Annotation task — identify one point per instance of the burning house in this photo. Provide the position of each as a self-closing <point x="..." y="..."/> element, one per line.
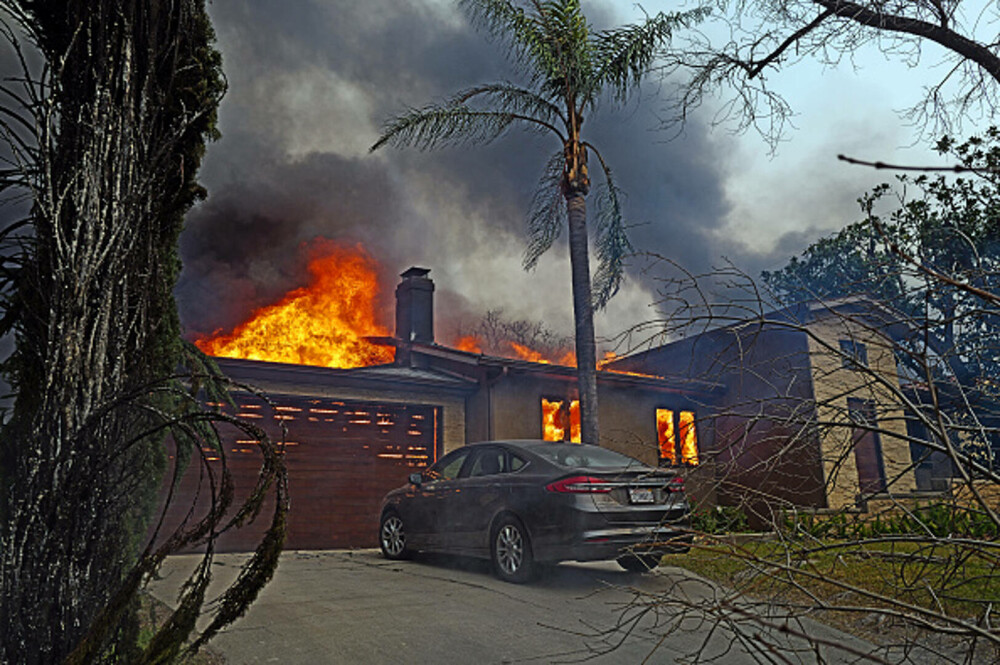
<point x="738" y="407"/>
<point x="356" y="428"/>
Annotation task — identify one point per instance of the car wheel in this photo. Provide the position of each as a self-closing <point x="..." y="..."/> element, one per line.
<point x="511" y="551"/>
<point x="392" y="537"/>
<point x="639" y="563"/>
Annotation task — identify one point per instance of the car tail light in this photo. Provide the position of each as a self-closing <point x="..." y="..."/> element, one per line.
<point x="676" y="485"/>
<point x="580" y="485"/>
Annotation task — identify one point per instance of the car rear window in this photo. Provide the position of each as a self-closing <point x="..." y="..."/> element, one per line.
<point x="583" y="456"/>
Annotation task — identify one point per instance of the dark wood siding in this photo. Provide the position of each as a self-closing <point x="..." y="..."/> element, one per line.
<point x="342" y="457"/>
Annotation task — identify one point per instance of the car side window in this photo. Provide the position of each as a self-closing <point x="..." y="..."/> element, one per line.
<point x="516" y="463"/>
<point x="489" y="462"/>
<point x="447" y="468"/>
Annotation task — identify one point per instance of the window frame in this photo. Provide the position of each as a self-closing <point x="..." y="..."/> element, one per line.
<point x="676" y="445"/>
<point x="853" y="354"/>
<point x="565" y="417"/>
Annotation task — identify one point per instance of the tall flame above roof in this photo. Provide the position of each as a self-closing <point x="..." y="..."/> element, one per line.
<point x="324" y="323"/>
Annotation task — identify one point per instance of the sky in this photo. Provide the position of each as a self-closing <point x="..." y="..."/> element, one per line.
<point x="312" y="81"/>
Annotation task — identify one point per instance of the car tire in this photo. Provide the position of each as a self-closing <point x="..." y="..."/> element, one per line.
<point x="510" y="549"/>
<point x="639" y="563"/>
<point x="392" y="537"/>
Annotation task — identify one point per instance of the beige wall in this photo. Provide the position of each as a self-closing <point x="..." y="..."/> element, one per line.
<point x="628" y="421"/>
<point x="627" y="414"/>
<point x="833" y="384"/>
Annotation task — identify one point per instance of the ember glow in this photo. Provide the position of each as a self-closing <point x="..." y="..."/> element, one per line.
<point x="324" y="323"/>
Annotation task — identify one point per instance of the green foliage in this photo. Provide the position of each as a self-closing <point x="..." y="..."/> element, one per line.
<point x="949" y="225"/>
<point x="957" y="581"/>
<point x="720" y="520"/>
<point x="939" y="520"/>
<point x="927" y="250"/>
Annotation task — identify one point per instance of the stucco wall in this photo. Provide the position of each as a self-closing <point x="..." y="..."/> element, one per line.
<point x="627" y="413"/>
<point x="834" y="384"/>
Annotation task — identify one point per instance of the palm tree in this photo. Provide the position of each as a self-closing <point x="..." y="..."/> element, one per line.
<point x="569" y="67"/>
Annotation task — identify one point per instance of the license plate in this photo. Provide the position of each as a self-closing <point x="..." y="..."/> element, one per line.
<point x="640" y="495"/>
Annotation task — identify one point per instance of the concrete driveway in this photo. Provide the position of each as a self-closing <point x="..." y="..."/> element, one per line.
<point x="356" y="607"/>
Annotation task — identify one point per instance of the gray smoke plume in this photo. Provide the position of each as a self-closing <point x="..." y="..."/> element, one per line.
<point x="311" y="82"/>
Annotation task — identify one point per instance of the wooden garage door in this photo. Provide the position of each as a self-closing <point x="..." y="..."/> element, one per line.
<point x="342" y="457"/>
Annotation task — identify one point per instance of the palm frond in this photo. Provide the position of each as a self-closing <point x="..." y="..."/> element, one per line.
<point x="624" y="55"/>
<point x="436" y="126"/>
<point x="514" y="99"/>
<point x="611" y="241"/>
<point x="547" y="214"/>
<point x="568" y="65"/>
<point x="522" y="32"/>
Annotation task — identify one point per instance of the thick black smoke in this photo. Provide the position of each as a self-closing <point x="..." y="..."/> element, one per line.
<point x="310" y="84"/>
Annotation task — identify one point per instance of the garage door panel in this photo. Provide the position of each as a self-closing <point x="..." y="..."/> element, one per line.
<point x="341" y="456"/>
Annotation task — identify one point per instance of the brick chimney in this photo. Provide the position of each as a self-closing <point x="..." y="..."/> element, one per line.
<point x="415" y="307"/>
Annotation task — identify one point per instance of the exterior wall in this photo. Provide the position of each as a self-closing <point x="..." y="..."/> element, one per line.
<point x="452" y="406"/>
<point x="516" y="404"/>
<point x="763" y="448"/>
<point x="834" y="384"/>
<point x="627" y="413"/>
<point x="478" y="410"/>
<point x="628" y="420"/>
<point x="338" y="471"/>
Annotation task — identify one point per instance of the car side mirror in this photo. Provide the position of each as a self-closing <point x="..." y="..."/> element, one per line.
<point x="416" y="479"/>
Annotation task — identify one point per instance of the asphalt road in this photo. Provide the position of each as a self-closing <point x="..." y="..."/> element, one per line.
<point x="356" y="607"/>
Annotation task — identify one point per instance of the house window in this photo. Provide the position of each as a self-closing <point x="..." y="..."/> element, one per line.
<point x="853" y="354"/>
<point x="867" y="445"/>
<point x="559" y="418"/>
<point x="678" y="442"/>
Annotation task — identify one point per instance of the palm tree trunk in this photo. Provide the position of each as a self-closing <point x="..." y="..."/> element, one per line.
<point x="583" y="316"/>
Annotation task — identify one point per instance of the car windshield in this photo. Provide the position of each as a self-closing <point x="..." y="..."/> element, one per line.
<point x="582" y="456"/>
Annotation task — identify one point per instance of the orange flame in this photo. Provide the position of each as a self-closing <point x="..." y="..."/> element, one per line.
<point x="611" y="356"/>
<point x="574" y="421"/>
<point x="552" y="427"/>
<point x="688" y="439"/>
<point x="555" y="420"/>
<point x="324" y="323"/>
<point x="669" y="438"/>
<point x="665" y="435"/>
<point x="522" y="352"/>
<point x="469" y="343"/>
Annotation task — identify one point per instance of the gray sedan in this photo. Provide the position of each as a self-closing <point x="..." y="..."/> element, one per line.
<point x="520" y="503"/>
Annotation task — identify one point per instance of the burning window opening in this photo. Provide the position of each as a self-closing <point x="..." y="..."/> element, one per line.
<point x="677" y="445"/>
<point x="558" y="417"/>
